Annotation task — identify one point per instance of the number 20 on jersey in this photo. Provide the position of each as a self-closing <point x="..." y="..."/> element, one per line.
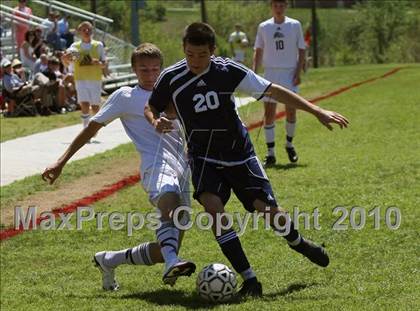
<point x="209" y="101"/>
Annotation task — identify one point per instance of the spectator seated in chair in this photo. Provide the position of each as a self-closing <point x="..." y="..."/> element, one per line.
<point x="19" y="90"/>
<point x="56" y="84"/>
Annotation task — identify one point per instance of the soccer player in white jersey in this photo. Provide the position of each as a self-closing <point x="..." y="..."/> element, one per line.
<point x="221" y="153"/>
<point x="164" y="171"/>
<point x="238" y="42"/>
<point x="281" y="48"/>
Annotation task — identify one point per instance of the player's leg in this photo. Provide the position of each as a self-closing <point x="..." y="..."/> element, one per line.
<point x="281" y="222"/>
<point x="286" y="78"/>
<point x="290" y="133"/>
<point x="94" y="88"/>
<point x="147" y="253"/>
<point x="253" y="189"/>
<point x="84" y="113"/>
<point x="231" y="246"/>
<point x="168" y="237"/>
<point x="84" y="99"/>
<point x="95" y="109"/>
<point x="212" y="191"/>
<point x="270" y="108"/>
<point x="165" y="188"/>
<point x="269" y="130"/>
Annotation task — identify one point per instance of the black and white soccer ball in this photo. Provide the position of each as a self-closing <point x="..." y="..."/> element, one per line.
<point x="216" y="283"/>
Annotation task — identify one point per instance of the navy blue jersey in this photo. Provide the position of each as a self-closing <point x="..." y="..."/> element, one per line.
<point x="206" y="108"/>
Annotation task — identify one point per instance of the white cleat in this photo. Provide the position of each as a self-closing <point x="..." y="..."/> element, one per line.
<point x="108" y="275"/>
<point x="180" y="268"/>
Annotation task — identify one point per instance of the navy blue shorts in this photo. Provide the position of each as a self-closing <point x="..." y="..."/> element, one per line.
<point x="248" y="181"/>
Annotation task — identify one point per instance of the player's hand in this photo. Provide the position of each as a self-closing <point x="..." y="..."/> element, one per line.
<point x="67" y="56"/>
<point x="296" y="79"/>
<point x="52" y="172"/>
<point x="96" y="61"/>
<point x="327" y="117"/>
<point x="163" y="125"/>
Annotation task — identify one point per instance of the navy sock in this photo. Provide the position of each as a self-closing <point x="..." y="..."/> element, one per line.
<point x="232" y="249"/>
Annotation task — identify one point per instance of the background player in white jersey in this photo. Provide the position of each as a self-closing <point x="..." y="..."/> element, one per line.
<point x="238" y="42"/>
<point x="164" y="170"/>
<point x="280" y="46"/>
<point x="221" y="153"/>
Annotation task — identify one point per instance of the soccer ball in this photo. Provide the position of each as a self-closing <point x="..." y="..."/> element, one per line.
<point x="216" y="283"/>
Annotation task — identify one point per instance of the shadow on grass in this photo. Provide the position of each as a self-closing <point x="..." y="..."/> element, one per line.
<point x="295" y="287"/>
<point x="190" y="300"/>
<point x="185" y="299"/>
<point x="286" y="167"/>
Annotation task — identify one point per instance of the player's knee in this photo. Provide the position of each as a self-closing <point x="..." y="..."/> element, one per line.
<point x="262" y="207"/>
<point x="212" y="203"/>
<point x="167" y="203"/>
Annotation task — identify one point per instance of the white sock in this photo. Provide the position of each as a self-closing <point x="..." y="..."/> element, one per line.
<point x="168" y="236"/>
<point x="85" y="119"/>
<point x="248" y="274"/>
<point x="269" y="138"/>
<point x="296" y="242"/>
<point x="290" y="133"/>
<point x="138" y="255"/>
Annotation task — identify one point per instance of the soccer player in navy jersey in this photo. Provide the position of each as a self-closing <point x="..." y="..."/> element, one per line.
<point x="222" y="157"/>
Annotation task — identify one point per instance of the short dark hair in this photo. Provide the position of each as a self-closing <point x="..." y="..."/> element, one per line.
<point x="53" y="60"/>
<point x="284" y="1"/>
<point x="146" y="50"/>
<point x="199" y="34"/>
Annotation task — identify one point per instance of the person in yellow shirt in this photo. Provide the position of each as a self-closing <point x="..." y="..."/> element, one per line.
<point x="88" y="59"/>
<point x="238" y="42"/>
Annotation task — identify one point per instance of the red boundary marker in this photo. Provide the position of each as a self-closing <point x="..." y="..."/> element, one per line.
<point x="282" y="114"/>
<point x="133" y="179"/>
<point x="70" y="208"/>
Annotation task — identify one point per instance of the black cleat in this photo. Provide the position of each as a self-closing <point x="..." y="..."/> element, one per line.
<point x="291" y="153"/>
<point x="269" y="161"/>
<point x="250" y="288"/>
<point x="316" y="254"/>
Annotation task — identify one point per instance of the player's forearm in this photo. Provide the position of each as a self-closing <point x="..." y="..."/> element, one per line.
<point x="301" y="61"/>
<point x="151" y="114"/>
<point x="256" y="61"/>
<point x="291" y="99"/>
<point x="84" y="136"/>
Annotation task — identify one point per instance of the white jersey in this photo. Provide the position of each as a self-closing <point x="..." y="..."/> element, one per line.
<point x="127" y="104"/>
<point x="280" y="42"/>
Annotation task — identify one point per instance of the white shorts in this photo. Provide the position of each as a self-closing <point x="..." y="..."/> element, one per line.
<point x="283" y="77"/>
<point x="239" y="56"/>
<point x="89" y="91"/>
<point x="161" y="179"/>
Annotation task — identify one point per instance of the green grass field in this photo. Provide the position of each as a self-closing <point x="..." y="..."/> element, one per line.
<point x="374" y="163"/>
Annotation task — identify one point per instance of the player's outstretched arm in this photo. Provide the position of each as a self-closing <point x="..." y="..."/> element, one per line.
<point x="161" y="124"/>
<point x="53" y="171"/>
<point x="289" y="98"/>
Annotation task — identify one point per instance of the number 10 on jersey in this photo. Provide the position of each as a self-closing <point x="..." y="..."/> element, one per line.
<point x="279" y="45"/>
<point x="204" y="102"/>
